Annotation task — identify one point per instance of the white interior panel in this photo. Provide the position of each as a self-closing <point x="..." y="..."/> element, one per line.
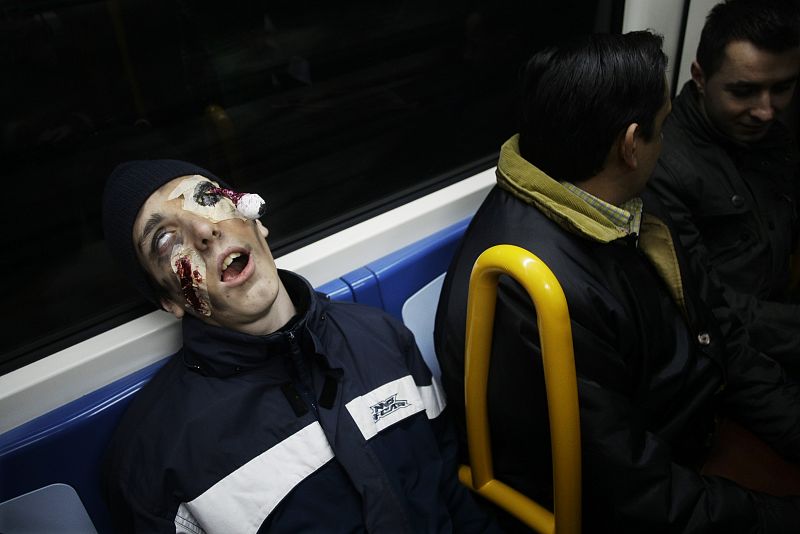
<point x="661" y="16"/>
<point x="698" y="10"/>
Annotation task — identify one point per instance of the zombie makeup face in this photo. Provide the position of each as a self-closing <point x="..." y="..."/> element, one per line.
<point x="221" y="272"/>
<point x="207" y="199"/>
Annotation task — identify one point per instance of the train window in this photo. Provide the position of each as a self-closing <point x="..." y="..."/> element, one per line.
<point x="331" y="111"/>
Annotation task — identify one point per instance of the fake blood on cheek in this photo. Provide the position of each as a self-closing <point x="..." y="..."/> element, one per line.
<point x="188" y="278"/>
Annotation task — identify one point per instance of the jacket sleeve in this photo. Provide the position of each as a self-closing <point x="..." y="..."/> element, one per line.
<point x="759" y="395"/>
<point x="650" y="489"/>
<point x="129" y="513"/>
<point x="774" y="327"/>
<point x="135" y="501"/>
<point x="465" y="513"/>
<point x="628" y="471"/>
<point x="757" y="391"/>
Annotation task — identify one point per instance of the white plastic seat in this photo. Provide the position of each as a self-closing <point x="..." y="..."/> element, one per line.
<point x="54" y="509"/>
<point x="419" y="314"/>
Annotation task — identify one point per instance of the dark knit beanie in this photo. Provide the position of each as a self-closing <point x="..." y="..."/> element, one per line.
<point x="127" y="189"/>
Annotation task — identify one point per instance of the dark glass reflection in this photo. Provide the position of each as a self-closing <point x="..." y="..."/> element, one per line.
<point x="328" y="110"/>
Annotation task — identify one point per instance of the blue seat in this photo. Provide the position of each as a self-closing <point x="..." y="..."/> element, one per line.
<point x="67" y="445"/>
<point x="389" y="281"/>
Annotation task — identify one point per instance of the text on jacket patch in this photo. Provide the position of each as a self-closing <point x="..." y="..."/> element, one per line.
<point x="385" y="407"/>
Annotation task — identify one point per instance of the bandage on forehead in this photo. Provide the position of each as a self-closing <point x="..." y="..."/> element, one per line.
<point x="206" y="198"/>
<point x="251" y="205"/>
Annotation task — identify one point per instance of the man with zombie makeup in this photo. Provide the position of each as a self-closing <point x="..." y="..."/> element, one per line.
<point x="728" y="171"/>
<point x="282" y="411"/>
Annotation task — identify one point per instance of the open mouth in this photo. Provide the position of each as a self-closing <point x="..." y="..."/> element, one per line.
<point x="233" y="265"/>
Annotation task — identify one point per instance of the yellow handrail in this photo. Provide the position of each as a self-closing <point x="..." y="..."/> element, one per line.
<point x="560" y="383"/>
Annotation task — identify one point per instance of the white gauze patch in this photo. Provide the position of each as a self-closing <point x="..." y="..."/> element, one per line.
<point x="190" y="268"/>
<point x="221" y="210"/>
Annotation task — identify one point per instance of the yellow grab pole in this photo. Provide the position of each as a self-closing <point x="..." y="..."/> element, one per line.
<point x="560" y="383"/>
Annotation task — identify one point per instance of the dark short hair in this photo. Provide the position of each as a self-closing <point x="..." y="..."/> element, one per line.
<point x="771" y="25"/>
<point x="578" y="97"/>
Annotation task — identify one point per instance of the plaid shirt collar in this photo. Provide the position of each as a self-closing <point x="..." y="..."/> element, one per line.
<point x="628" y="216"/>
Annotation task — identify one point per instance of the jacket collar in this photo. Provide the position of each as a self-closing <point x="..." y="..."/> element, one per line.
<point x="221" y="352"/>
<point x="533" y="186"/>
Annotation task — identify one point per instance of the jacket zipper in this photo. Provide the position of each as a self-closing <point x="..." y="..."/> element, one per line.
<point x="304" y="385"/>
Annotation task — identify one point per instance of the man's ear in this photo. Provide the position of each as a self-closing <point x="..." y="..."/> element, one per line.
<point x="171" y="307"/>
<point x="628" y="146"/>
<point x="698" y="77"/>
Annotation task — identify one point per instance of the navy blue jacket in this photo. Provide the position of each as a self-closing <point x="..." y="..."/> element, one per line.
<point x="332" y="424"/>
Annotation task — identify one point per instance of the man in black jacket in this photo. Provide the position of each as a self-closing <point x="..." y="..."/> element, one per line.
<point x="282" y="411"/>
<point x="654" y="366"/>
<point x="729" y="170"/>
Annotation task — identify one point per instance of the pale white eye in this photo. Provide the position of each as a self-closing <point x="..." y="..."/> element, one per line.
<point x="163" y="240"/>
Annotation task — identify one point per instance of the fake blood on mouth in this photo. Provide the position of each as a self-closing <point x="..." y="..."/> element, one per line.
<point x="188" y="278"/>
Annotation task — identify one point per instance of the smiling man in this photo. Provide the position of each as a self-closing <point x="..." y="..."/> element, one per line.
<point x="282" y="411"/>
<point x="728" y="170"/>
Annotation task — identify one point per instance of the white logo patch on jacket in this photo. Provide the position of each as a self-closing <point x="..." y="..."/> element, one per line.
<point x="385" y="407"/>
<point x="394" y="401"/>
